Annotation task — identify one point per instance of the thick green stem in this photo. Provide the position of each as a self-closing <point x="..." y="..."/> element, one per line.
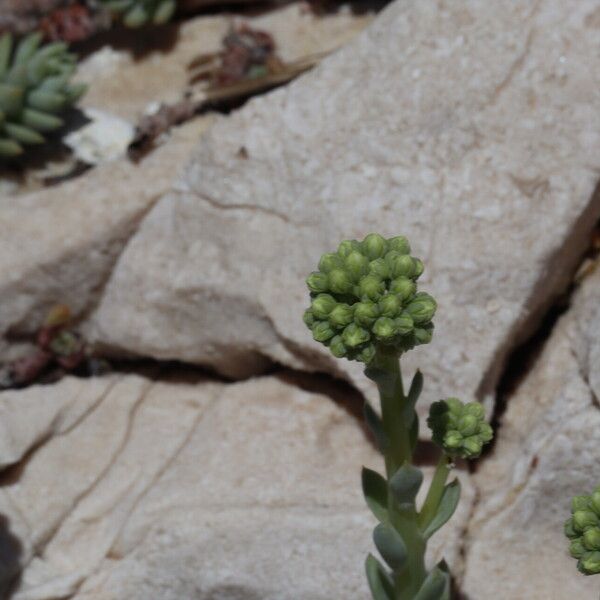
<point x="393" y="401"/>
<point x="410" y="579"/>
<point x="436" y="490"/>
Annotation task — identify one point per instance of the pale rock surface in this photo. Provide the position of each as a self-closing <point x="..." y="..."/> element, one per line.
<point x="60" y="244"/>
<point x="157" y="71"/>
<point x="473" y="128"/>
<point x="183" y="488"/>
<point x="546" y="453"/>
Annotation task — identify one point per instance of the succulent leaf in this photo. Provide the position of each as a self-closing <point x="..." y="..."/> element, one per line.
<point x="137" y="13"/>
<point x="380" y="583"/>
<point x="375" y="491"/>
<point x="34" y="89"/>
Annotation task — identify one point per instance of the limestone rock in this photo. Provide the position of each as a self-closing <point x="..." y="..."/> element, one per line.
<point x="546" y="453"/>
<point x="183" y="488"/>
<point x="60" y="244"/>
<point x="472" y="128"/>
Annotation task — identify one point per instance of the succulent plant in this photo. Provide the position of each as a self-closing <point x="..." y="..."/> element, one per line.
<point x="583" y="529"/>
<point x="459" y="429"/>
<point x="365" y="306"/>
<point x="136" y="13"/>
<point x="34" y="89"/>
<point x="365" y="296"/>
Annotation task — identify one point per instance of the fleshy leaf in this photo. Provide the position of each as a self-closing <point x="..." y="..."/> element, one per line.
<point x="445" y="510"/>
<point x="414" y="392"/>
<point x="434" y="586"/>
<point x="390" y="545"/>
<point x="405" y="484"/>
<point x="376" y="427"/>
<point x="380" y="583"/>
<point x="375" y="492"/>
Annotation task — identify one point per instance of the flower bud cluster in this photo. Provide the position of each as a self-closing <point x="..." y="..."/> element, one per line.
<point x="583" y="529"/>
<point x="460" y="429"/>
<point x="365" y="294"/>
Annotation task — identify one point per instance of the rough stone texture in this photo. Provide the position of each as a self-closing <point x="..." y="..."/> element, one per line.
<point x="158" y="70"/>
<point x="471" y="127"/>
<point x="135" y="488"/>
<point x="547" y="452"/>
<point x="60" y="244"/>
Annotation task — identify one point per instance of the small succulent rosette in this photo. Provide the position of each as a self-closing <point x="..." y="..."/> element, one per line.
<point x="459" y="429"/>
<point x="583" y="529"/>
<point x="136" y="13"/>
<point x="35" y="88"/>
<point x="365" y="295"/>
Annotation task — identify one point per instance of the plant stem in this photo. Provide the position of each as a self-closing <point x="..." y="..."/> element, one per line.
<point x="436" y="490"/>
<point x="391" y="394"/>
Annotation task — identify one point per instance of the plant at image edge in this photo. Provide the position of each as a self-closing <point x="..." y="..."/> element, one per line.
<point x="34" y="88"/>
<point x="583" y="529"/>
<point x="365" y="306"/>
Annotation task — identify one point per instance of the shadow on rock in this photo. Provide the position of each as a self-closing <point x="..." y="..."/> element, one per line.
<point x="11" y="551"/>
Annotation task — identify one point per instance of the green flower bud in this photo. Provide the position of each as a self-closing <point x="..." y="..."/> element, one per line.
<point x="357" y="265"/>
<point x="422" y="308"/>
<point x="404" y="287"/>
<point x="329" y="262"/>
<point x="322" y="331"/>
<point x="339" y="281"/>
<point x="322" y="305"/>
<point x="419" y="268"/>
<point x="390" y="306"/>
<point x="367" y="354"/>
<point x="582" y="519"/>
<point x="384" y="328"/>
<point x="424" y="335"/>
<point x="399" y="244"/>
<point x="580" y="503"/>
<point x="591" y="538"/>
<point x="337" y="347"/>
<point x="595" y="501"/>
<point x="354" y="335"/>
<point x="308" y="318"/>
<point x="371" y="288"/>
<point x="379" y="268"/>
<point x="348" y="246"/>
<point x="365" y="313"/>
<point x="570" y="530"/>
<point x="590" y="563"/>
<point x="401" y="265"/>
<point x="341" y="316"/>
<point x="317" y="282"/>
<point x="460" y="429"/>
<point x="577" y="549"/>
<point x="404" y="324"/>
<point x="373" y="246"/>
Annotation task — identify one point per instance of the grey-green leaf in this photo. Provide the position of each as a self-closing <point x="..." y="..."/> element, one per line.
<point x="375" y="491"/>
<point x="434" y="586"/>
<point x="375" y="425"/>
<point x="413" y="434"/>
<point x="405" y="484"/>
<point x="445" y="510"/>
<point x="414" y="392"/>
<point x="390" y="545"/>
<point x="380" y="583"/>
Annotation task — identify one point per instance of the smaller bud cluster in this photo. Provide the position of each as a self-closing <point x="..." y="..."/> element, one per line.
<point x="365" y="294"/>
<point x="460" y="429"/>
<point x="583" y="529"/>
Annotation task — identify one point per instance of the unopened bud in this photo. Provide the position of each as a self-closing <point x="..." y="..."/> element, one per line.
<point x="577" y="549"/>
<point x="468" y="425"/>
<point x="582" y="519"/>
<point x="419" y="268"/>
<point x="356" y="264"/>
<point x="404" y="324"/>
<point x="371" y="288"/>
<point x="308" y="318"/>
<point x="422" y="309"/>
<point x="341" y="315"/>
<point x="424" y="335"/>
<point x="346" y="247"/>
<point x="329" y="262"/>
<point x="373" y="246"/>
<point x="399" y="244"/>
<point x="401" y="266"/>
<point x="591" y="538"/>
<point x="590" y="564"/>
<point x="367" y="354"/>
<point x="404" y="287"/>
<point x="322" y="305"/>
<point x="390" y="306"/>
<point x="365" y="313"/>
<point x="339" y="281"/>
<point x="317" y="282"/>
<point x="379" y="268"/>
<point x="384" y="328"/>
<point x="354" y="335"/>
<point x="337" y="347"/>
<point x="322" y="331"/>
